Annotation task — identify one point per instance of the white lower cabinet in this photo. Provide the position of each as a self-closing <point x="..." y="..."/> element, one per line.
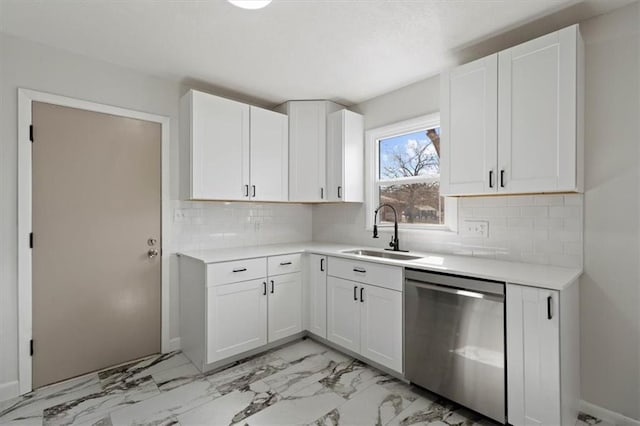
<point x="241" y="305"/>
<point x="317" y="295"/>
<point x="543" y="358"/>
<point x="366" y="319"/>
<point x="285" y="306"/>
<point x="343" y="313"/>
<point x="224" y="314"/>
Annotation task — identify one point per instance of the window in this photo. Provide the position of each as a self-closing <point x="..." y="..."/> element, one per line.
<point x="404" y="171"/>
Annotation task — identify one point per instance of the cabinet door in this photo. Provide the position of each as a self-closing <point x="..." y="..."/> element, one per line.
<point x="219" y="148"/>
<point x="468" y="119"/>
<point x="343" y="313"/>
<point x="307" y="150"/>
<point x="269" y="155"/>
<point x="381" y="326"/>
<point x="537" y="114"/>
<point x="318" y="295"/>
<point x="345" y="156"/>
<point x="236" y="318"/>
<point x="533" y="356"/>
<point x="285" y="305"/>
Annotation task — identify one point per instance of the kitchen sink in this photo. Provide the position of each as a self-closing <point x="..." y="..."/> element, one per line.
<point x="382" y="254"/>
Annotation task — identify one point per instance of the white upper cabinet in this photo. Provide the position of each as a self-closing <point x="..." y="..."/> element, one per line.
<point x="218" y="133"/>
<point x="307" y="149"/>
<point x="468" y="119"/>
<point x="237" y="151"/>
<point x="269" y="165"/>
<point x="538" y="116"/>
<point x="514" y="124"/>
<point x="345" y="157"/>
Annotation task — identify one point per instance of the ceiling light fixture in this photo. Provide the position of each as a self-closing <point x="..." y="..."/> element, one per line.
<point x="250" y="4"/>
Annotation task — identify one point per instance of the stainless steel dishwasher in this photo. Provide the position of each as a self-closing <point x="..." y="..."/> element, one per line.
<point x="454" y="339"/>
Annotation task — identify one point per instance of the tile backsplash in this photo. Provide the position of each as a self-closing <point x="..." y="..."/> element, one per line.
<point x="543" y="229"/>
<point x="200" y="225"/>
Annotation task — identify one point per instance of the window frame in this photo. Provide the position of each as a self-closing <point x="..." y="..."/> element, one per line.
<point x="372" y="180"/>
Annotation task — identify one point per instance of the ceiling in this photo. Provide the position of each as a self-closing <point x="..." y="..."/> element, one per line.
<point x="345" y="50"/>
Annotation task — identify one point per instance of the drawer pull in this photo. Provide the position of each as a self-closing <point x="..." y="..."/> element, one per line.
<point x="285" y="263"/>
<point x="240" y="270"/>
<point x="361" y="270"/>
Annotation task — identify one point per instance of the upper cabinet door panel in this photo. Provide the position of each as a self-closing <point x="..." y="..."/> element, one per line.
<point x="269" y="155"/>
<point x="469" y="128"/>
<point x="345" y="156"/>
<point x="307" y="132"/>
<point x="537" y="114"/>
<point x="219" y="147"/>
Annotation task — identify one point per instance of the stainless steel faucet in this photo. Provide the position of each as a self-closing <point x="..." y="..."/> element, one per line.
<point x="395" y="242"/>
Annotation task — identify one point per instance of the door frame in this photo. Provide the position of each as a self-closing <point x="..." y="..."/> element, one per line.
<point x="25" y="320"/>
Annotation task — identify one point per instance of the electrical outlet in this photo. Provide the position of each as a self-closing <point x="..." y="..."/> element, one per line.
<point x="479" y="228"/>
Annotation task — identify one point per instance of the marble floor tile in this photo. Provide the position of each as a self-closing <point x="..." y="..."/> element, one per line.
<point x="373" y="406"/>
<point x="176" y="377"/>
<point x="164" y="407"/>
<point x="142" y="368"/>
<point x="97" y="405"/>
<point x="28" y="408"/>
<point x="242" y="374"/>
<point x="302" y="383"/>
<point x="300" y="373"/>
<point x="231" y="408"/>
<point x="350" y="377"/>
<point x="298" y="408"/>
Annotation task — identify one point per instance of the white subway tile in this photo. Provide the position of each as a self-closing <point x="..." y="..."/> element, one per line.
<point x="549" y="200"/>
<point x="551" y="223"/>
<point x="520" y="222"/>
<point x="573" y="248"/>
<point x="520" y="200"/>
<point x="568" y="261"/>
<point x="573" y="199"/>
<point x="548" y="247"/>
<point x="495" y="201"/>
<point x="535" y="211"/>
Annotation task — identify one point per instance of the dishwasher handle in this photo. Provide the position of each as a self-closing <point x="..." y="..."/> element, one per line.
<point x="456" y="291"/>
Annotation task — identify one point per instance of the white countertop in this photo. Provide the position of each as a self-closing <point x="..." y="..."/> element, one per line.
<point x="542" y="276"/>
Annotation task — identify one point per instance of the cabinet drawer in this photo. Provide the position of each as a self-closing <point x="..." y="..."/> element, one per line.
<point x="283" y="264"/>
<point x="237" y="270"/>
<point x="366" y="272"/>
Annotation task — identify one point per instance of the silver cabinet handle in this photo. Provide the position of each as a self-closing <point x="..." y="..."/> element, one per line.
<point x="361" y="270"/>
<point x="152" y="253"/>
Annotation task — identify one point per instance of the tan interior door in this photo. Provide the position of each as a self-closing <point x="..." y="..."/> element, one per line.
<point x="96" y="205"/>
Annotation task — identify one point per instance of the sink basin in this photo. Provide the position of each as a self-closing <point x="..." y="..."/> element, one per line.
<point x="383" y="254"/>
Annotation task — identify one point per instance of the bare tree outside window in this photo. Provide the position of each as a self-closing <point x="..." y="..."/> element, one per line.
<point x="409" y="177"/>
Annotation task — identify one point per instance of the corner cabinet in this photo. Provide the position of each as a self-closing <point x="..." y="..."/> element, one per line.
<point x="513" y="122"/>
<point x="325" y="152"/>
<point x="236" y="151"/>
<point x="543" y="355"/>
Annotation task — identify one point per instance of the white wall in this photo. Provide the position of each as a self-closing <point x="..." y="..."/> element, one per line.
<point x="610" y="286"/>
<point x="33" y="66"/>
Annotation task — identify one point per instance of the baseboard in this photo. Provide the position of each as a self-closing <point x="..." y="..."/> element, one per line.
<point x="174" y="344"/>
<point x="9" y="390"/>
<point x="607" y="415"/>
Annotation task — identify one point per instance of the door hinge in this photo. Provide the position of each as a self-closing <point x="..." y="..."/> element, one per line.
<point x="31" y="240"/>
<point x="31" y="132"/>
<point x="31" y="347"/>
